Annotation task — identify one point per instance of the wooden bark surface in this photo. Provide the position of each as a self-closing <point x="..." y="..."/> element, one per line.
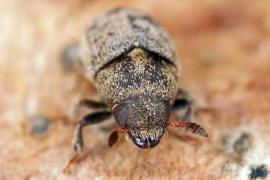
<point x="224" y="48"/>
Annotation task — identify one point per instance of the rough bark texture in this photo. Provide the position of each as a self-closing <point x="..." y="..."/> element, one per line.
<point x="224" y="48"/>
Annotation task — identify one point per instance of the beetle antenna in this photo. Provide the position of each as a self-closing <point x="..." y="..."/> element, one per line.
<point x="115" y="134"/>
<point x="194" y="127"/>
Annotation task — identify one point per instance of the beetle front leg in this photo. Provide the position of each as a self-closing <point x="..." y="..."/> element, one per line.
<point x="88" y="119"/>
<point x="185" y="95"/>
<point x="89" y="104"/>
<point x="181" y="104"/>
<point x="184" y="103"/>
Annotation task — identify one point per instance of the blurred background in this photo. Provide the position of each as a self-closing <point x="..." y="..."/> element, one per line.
<point x="224" y="48"/>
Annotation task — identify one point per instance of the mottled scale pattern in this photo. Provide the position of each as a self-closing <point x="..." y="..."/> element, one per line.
<point x="138" y="73"/>
<point x="148" y="114"/>
<point x="116" y="33"/>
<point x="147" y="119"/>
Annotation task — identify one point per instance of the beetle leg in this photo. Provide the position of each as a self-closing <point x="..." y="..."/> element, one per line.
<point x="70" y="162"/>
<point x="194" y="127"/>
<point x="183" y="103"/>
<point x="89" y="104"/>
<point x="185" y="95"/>
<point x="92" y="118"/>
<point x="115" y="134"/>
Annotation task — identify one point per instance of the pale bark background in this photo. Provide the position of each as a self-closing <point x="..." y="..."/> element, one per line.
<point x="224" y="47"/>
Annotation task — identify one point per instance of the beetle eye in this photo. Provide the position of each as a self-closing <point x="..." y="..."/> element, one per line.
<point x="121" y="114"/>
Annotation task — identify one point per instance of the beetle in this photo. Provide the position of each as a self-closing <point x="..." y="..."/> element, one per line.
<point x="130" y="59"/>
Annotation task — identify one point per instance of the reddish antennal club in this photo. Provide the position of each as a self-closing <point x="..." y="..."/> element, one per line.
<point x="115" y="134"/>
<point x="194" y="127"/>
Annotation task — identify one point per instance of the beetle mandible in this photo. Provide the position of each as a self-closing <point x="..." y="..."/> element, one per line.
<point x="129" y="58"/>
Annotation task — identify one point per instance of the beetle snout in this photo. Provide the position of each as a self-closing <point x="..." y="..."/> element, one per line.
<point x="145" y="139"/>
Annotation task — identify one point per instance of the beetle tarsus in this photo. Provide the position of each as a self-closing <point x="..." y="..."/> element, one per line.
<point x="70" y="162"/>
<point x="88" y="119"/>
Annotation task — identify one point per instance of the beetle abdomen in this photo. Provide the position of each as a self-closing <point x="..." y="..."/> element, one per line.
<point x="138" y="73"/>
<point x="118" y="32"/>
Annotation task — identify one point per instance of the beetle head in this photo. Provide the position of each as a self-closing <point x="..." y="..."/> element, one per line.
<point x="146" y="119"/>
